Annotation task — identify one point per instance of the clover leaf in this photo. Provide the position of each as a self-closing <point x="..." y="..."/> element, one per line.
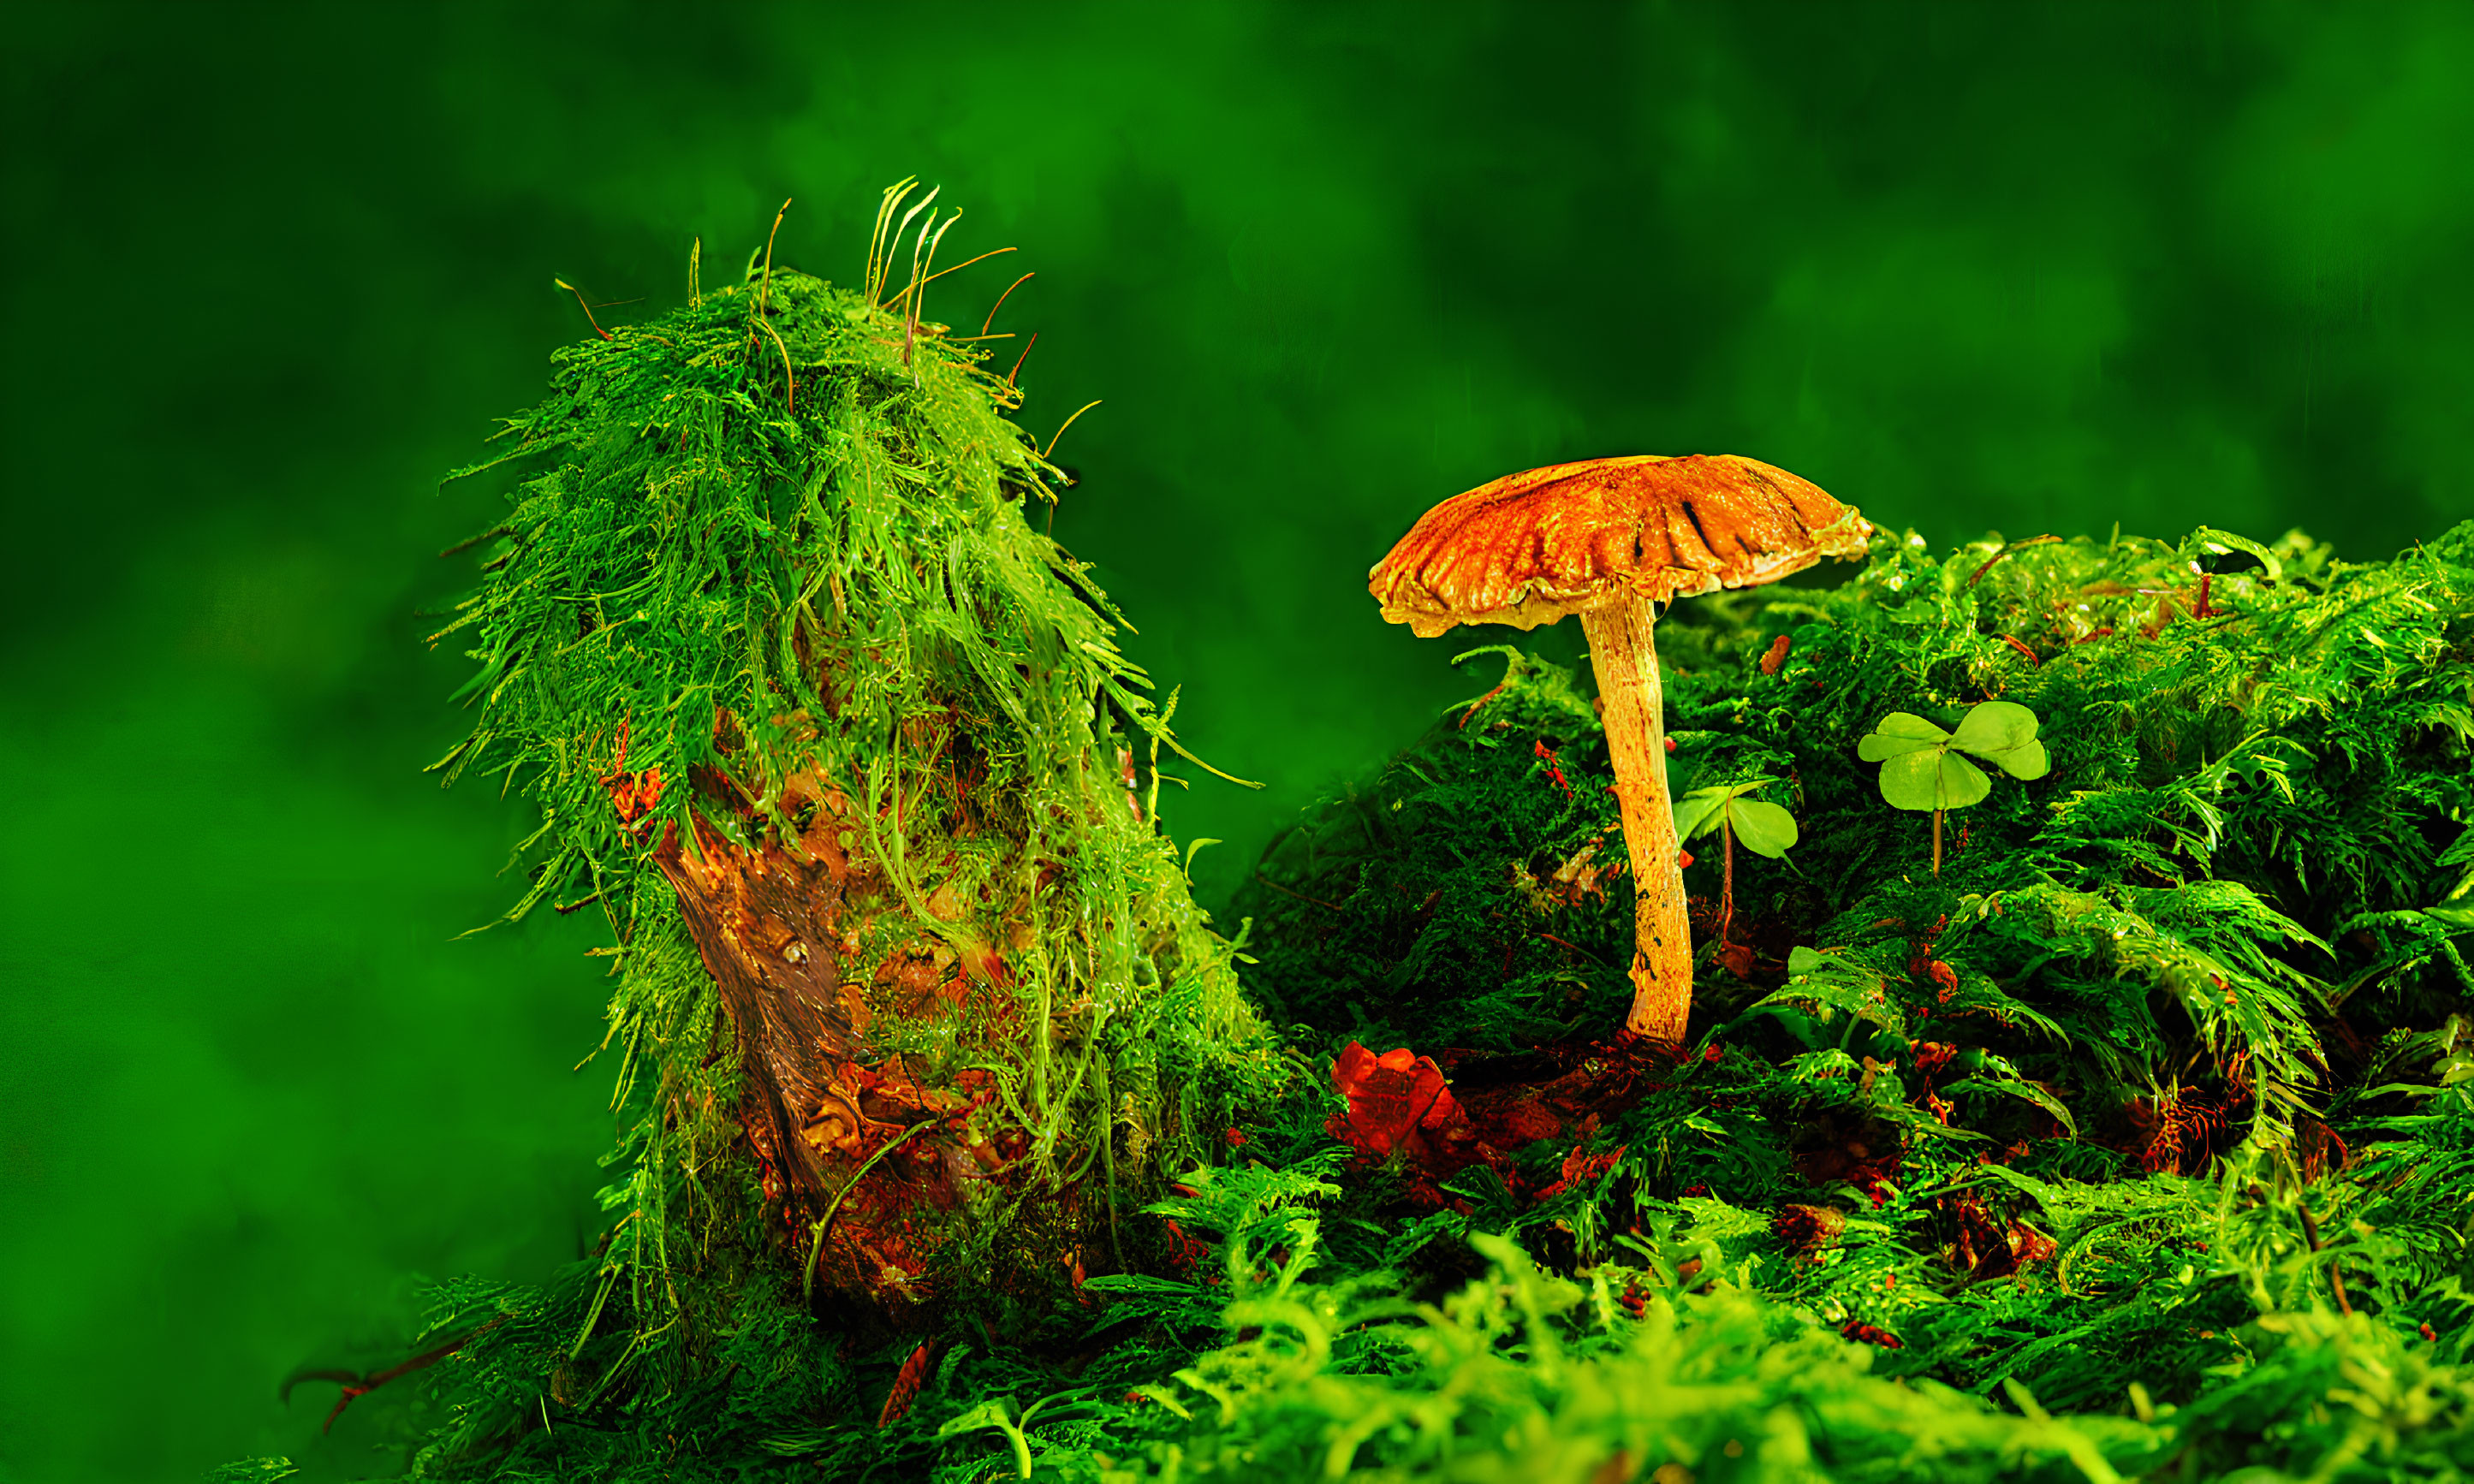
<point x="1922" y="770"/>
<point x="1762" y="829"/>
<point x="1920" y="767"/>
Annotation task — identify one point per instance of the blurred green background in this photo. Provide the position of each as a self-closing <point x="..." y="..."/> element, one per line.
<point x="271" y="269"/>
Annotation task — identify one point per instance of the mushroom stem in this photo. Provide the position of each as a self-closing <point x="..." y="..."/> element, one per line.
<point x="1625" y="657"/>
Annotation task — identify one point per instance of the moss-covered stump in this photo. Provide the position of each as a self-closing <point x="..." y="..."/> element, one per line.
<point x="913" y="1002"/>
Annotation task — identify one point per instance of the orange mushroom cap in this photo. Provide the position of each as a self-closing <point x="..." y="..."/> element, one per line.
<point x="1535" y="546"/>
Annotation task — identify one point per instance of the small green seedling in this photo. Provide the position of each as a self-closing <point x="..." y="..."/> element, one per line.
<point x="1764" y="829"/>
<point x="1921" y="770"/>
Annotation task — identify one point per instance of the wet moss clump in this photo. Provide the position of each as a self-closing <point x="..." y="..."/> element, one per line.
<point x="1472" y="895"/>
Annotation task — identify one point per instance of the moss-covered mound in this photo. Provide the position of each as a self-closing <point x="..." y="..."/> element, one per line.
<point x="2253" y="830"/>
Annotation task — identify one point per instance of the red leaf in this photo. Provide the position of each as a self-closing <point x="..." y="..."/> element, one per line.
<point x="1390" y="1098"/>
<point x="905" y="1386"/>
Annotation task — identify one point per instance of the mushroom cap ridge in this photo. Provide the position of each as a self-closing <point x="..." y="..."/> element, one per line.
<point x="1531" y="547"/>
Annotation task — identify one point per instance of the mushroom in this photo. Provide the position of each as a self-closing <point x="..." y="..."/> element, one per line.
<point x="1611" y="539"/>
